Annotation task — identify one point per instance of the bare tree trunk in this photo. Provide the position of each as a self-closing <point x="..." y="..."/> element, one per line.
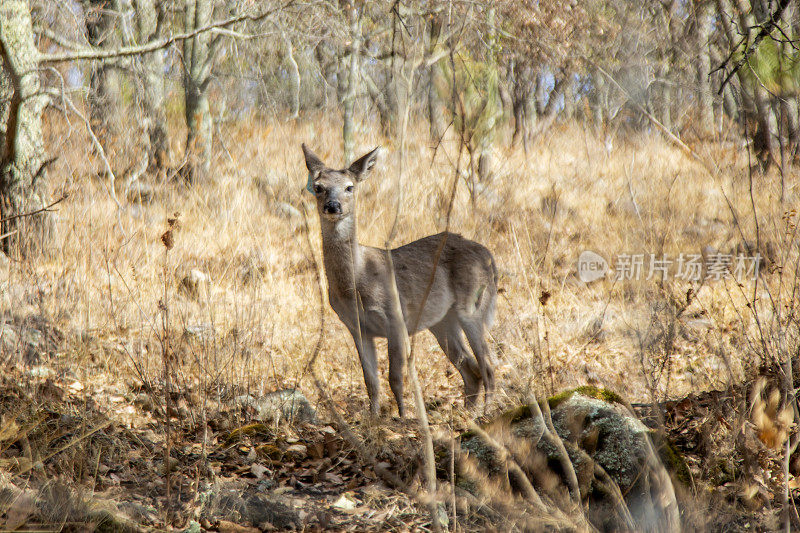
<point x="540" y="94"/>
<point x="23" y="176"/>
<point x="198" y="57"/>
<point x="729" y="103"/>
<point x="328" y="66"/>
<point x="789" y="126"/>
<point x="486" y="141"/>
<point x="549" y="110"/>
<point x="294" y="77"/>
<point x="599" y="104"/>
<point x="569" y="98"/>
<point x="523" y="108"/>
<point x="666" y="98"/>
<point x="152" y="86"/>
<point x="755" y="99"/>
<point x="103" y="79"/>
<point x="705" y="98"/>
<point x="435" y="109"/>
<point x="348" y="106"/>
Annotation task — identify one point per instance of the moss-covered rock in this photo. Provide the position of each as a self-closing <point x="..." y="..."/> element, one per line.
<point x="597" y="428"/>
<point x="672" y="458"/>
<point x="288" y="405"/>
<point x="248" y="431"/>
<point x="589" y="391"/>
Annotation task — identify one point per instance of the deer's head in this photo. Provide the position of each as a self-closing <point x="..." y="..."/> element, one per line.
<point x="334" y="190"/>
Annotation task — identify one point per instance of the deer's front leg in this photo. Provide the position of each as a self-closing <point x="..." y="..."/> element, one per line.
<point x="397" y="363"/>
<point x="365" y="345"/>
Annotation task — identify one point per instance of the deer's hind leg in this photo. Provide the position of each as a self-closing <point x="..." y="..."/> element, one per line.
<point x="474" y="330"/>
<point x="396" y="339"/>
<point x="448" y="334"/>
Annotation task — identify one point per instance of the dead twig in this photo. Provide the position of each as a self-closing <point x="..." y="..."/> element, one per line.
<point x="45" y="209"/>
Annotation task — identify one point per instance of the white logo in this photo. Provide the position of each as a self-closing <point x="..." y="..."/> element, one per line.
<point x="591" y="266"/>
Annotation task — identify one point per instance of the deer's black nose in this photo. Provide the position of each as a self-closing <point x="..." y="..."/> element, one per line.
<point x="332" y="208"/>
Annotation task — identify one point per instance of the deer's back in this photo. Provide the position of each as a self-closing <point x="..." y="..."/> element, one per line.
<point x="465" y="268"/>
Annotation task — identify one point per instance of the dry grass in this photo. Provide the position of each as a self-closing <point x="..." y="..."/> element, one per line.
<point x="256" y="326"/>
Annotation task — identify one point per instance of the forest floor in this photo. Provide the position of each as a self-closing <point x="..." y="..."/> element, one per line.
<point x="234" y="308"/>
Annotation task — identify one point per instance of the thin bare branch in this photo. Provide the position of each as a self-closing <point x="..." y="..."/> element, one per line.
<point x="46" y="209"/>
<point x="766" y="29"/>
<point x="92" y="53"/>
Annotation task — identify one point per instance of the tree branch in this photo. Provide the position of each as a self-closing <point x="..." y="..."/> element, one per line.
<point x="45" y="209"/>
<point x="93" y="53"/>
<point x="766" y="29"/>
<point x="61" y="41"/>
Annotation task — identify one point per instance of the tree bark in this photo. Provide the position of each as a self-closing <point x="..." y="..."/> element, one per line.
<point x="522" y="105"/>
<point x="348" y="105"/>
<point x="493" y="108"/>
<point x="198" y="58"/>
<point x="569" y="98"/>
<point x="152" y="87"/>
<point x="436" y="125"/>
<point x="294" y="77"/>
<point x="378" y="98"/>
<point x="104" y="79"/>
<point x="705" y="100"/>
<point x="23" y="173"/>
<point x="759" y="118"/>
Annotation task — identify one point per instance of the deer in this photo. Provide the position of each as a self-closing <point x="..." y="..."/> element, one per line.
<point x="445" y="283"/>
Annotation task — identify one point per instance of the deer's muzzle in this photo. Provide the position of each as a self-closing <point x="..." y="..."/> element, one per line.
<point x="332" y="208"/>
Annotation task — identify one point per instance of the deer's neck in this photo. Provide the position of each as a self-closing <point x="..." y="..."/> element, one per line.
<point x="342" y="255"/>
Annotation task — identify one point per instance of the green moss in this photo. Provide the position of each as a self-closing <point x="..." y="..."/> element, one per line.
<point x="516" y="414"/>
<point x="248" y="430"/>
<point x="725" y="471"/>
<point x="512" y="416"/>
<point x="588" y="391"/>
<point x="671" y="457"/>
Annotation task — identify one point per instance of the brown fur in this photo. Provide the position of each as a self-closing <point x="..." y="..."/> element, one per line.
<point x="462" y="296"/>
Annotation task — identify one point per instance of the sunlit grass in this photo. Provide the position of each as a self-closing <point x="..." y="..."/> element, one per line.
<point x="258" y="323"/>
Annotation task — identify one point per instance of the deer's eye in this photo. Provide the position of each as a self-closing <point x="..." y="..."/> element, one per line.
<point x="349" y="188"/>
<point x="318" y="189"/>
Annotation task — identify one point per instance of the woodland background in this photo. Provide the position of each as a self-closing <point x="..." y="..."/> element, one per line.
<point x="161" y="260"/>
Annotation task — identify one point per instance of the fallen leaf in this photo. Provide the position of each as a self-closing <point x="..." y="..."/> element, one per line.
<point x="345" y="502"/>
<point x="22" y="506"/>
<point x="259" y="471"/>
<point x="297" y="451"/>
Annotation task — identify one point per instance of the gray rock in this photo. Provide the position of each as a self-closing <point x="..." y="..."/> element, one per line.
<point x="26" y="343"/>
<point x="262" y="511"/>
<point x="287" y="404"/>
<point x="225" y="503"/>
<point x="618" y="441"/>
<point x="595" y="431"/>
<point x="137" y="512"/>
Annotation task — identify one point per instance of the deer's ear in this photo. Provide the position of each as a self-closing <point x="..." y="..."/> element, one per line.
<point x="361" y="167"/>
<point x="313" y="163"/>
